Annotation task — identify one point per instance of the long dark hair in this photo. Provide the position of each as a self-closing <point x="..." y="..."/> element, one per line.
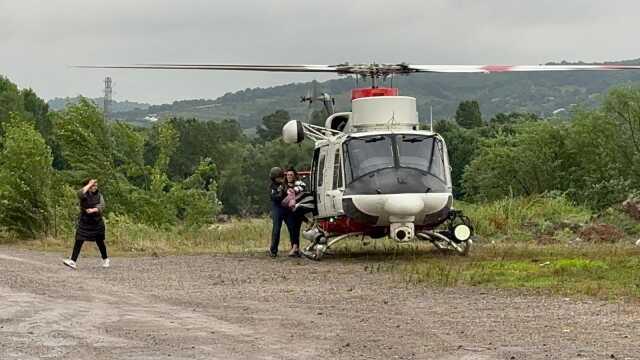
<point x="295" y="174"/>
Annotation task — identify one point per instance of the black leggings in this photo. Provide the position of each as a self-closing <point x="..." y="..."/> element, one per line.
<point x="294" y="223"/>
<point x="78" y="245"/>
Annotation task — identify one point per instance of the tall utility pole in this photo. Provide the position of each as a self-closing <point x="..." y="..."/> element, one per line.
<point x="108" y="91"/>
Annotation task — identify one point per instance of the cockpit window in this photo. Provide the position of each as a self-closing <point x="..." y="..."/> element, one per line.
<point x="371" y="153"/>
<point x="422" y="153"/>
<point x="368" y="154"/>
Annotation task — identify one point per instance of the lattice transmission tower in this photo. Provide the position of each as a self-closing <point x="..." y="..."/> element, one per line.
<point x="108" y="93"/>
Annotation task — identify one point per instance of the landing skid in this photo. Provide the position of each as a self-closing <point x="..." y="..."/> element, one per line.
<point x="444" y="243"/>
<point x="318" y="248"/>
<point x="445" y="239"/>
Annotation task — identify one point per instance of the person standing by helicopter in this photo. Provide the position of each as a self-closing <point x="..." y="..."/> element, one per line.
<point x="278" y="212"/>
<point x="294" y="188"/>
<point x="90" y="226"/>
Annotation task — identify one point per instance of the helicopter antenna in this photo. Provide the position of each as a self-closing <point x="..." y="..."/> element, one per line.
<point x="431" y="117"/>
<point x="311" y="97"/>
<point x="391" y="121"/>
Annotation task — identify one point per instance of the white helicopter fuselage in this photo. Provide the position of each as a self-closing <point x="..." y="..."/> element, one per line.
<point x="380" y="175"/>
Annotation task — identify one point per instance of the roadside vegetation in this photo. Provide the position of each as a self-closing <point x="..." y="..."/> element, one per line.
<point x="540" y="243"/>
<point x="555" y="203"/>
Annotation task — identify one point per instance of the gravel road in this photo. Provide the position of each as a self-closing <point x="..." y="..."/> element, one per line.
<point x="232" y="307"/>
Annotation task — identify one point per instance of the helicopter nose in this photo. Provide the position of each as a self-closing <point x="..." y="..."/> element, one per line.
<point x="403" y="205"/>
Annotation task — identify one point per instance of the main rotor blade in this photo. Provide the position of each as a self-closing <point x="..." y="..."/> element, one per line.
<point x="373" y="70"/>
<point x="515" y="68"/>
<point x="276" y="68"/>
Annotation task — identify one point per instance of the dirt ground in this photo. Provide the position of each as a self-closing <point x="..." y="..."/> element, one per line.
<point x="231" y="307"/>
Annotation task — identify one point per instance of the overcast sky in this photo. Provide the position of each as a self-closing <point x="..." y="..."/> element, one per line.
<point x="40" y="39"/>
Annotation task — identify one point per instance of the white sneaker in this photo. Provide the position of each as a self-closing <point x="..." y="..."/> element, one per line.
<point x="70" y="263"/>
<point x="106" y="263"/>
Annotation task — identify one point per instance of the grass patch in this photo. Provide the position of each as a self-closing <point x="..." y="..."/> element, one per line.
<point x="524" y="218"/>
<point x="605" y="271"/>
<point x="127" y="238"/>
<point x="510" y="254"/>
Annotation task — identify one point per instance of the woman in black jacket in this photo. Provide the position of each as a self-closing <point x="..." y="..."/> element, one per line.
<point x="90" y="226"/>
<point x="278" y="212"/>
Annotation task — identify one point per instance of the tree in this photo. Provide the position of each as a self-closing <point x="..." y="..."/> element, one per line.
<point x="10" y="101"/>
<point x="600" y="176"/>
<point x="195" y="198"/>
<point x="272" y="124"/>
<point x="468" y="114"/>
<point x="512" y="118"/>
<point x="25" y="180"/>
<point x="87" y="151"/>
<point x="606" y="145"/>
<point x="168" y="140"/>
<point x="200" y="140"/>
<point x="532" y="161"/>
<point x="127" y="145"/>
<point x="233" y="180"/>
<point x="38" y="110"/>
<point x="85" y="143"/>
<point x="622" y="106"/>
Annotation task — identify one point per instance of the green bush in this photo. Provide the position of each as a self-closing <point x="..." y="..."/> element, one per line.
<point x="531" y="161"/>
<point x="25" y="180"/>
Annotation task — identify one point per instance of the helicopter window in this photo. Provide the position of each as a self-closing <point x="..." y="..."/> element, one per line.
<point x="422" y="153"/>
<point x="314" y="169"/>
<point x="337" y="171"/>
<point x="369" y="154"/>
<point x="321" y="171"/>
<point x="436" y="166"/>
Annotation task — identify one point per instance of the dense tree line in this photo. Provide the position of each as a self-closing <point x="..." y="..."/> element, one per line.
<point x="185" y="171"/>
<point x="593" y="158"/>
<point x="180" y="171"/>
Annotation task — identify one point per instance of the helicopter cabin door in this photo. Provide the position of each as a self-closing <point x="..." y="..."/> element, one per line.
<point x="330" y="181"/>
<point x="321" y="184"/>
<point x="335" y="185"/>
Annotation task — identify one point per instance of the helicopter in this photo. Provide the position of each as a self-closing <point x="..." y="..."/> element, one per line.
<point x="374" y="171"/>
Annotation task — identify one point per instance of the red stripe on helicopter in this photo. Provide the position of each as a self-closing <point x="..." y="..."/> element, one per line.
<point x="497" y="68"/>
<point x="612" y="67"/>
<point x="342" y="225"/>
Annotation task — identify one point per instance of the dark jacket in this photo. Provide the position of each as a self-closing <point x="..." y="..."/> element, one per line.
<point x="90" y="226"/>
<point x="278" y="192"/>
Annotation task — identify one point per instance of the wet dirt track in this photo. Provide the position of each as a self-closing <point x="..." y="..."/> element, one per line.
<point x="231" y="307"/>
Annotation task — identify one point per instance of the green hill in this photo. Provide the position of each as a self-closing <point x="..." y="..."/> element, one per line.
<point x="57" y="104"/>
<point x="539" y="93"/>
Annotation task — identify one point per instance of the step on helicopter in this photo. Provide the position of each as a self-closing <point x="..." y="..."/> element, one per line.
<point x="375" y="172"/>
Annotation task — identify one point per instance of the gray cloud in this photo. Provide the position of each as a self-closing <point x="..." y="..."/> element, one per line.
<point x="39" y="39"/>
